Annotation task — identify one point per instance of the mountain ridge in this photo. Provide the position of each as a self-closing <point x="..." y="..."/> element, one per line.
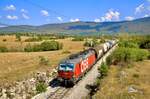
<point x="138" y="26"/>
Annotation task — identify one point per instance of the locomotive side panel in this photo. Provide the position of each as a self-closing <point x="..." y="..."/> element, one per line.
<point x="77" y="71"/>
<point x="84" y="65"/>
<point x="91" y="60"/>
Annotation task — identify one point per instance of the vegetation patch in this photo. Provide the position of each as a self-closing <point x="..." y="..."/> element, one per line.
<point x="78" y="39"/>
<point x="66" y="52"/>
<point x="3" y="49"/>
<point x="41" y="87"/>
<point x="128" y="55"/>
<point x="33" y="39"/>
<point x="44" y="61"/>
<point x="44" y="46"/>
<point x="91" y="43"/>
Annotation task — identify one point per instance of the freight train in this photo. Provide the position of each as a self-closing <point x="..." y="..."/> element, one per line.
<point x="74" y="67"/>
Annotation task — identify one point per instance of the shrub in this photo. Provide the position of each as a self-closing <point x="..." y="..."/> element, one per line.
<point x="149" y="55"/>
<point x="32" y="48"/>
<point x="34" y="39"/>
<point x="128" y="55"/>
<point x="43" y="60"/>
<point x="88" y="44"/>
<point x="66" y="52"/>
<point x="18" y="37"/>
<point x="41" y="87"/>
<point x="145" y="44"/>
<point x="136" y="75"/>
<point x="60" y="37"/>
<point x="3" y="49"/>
<point x="103" y="70"/>
<point x="91" y="43"/>
<point x="109" y="60"/>
<point x="51" y="45"/>
<point x="4" y="40"/>
<point x="78" y="39"/>
<point x="45" y="46"/>
<point x="128" y="44"/>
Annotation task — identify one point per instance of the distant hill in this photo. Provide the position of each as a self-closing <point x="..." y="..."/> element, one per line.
<point x="138" y="26"/>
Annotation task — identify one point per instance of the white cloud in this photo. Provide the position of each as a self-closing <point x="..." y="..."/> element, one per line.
<point x="97" y="20"/>
<point x="24" y="11"/>
<point x="1" y="26"/>
<point x="129" y="18"/>
<point x="74" y="20"/>
<point x="10" y="7"/>
<point x="13" y="17"/>
<point x="44" y="13"/>
<point x="60" y="18"/>
<point x="139" y="9"/>
<point x="25" y="16"/>
<point x="146" y="15"/>
<point x="110" y="15"/>
<point x="102" y="19"/>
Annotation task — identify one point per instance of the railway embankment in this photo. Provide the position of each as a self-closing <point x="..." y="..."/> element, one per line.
<point x="80" y="90"/>
<point x="77" y="91"/>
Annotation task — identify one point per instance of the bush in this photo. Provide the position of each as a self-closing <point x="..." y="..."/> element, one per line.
<point x="41" y="87"/>
<point x="51" y="45"/>
<point x="34" y="39"/>
<point x="103" y="70"/>
<point x="78" y="39"/>
<point x="45" y="46"/>
<point x="88" y="44"/>
<point x="18" y="37"/>
<point x="3" y="49"/>
<point x="43" y="61"/>
<point x="66" y="52"/>
<point x="4" y="40"/>
<point x="136" y="75"/>
<point x="32" y="48"/>
<point x="145" y="44"/>
<point x="92" y="43"/>
<point x="128" y="44"/>
<point x="149" y="55"/>
<point x="109" y="60"/>
<point x="127" y="55"/>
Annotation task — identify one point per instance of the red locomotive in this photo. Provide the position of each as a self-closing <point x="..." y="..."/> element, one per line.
<point x="74" y="67"/>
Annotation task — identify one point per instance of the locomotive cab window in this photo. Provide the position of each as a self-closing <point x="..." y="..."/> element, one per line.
<point x="66" y="67"/>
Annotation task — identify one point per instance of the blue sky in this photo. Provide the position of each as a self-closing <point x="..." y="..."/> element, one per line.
<point x="37" y="12"/>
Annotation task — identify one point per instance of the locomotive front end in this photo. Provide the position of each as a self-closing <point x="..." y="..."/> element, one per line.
<point x="66" y="73"/>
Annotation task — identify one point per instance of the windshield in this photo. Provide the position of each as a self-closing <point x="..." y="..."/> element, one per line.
<point x="66" y="67"/>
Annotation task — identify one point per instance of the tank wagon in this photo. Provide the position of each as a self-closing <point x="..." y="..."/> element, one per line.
<point x="74" y="67"/>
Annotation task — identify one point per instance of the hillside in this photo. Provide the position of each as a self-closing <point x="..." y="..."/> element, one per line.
<point x="138" y="26"/>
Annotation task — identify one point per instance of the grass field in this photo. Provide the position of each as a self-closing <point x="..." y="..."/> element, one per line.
<point x="19" y="65"/>
<point x="119" y="80"/>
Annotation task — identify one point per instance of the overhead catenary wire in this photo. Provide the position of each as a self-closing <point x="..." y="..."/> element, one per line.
<point x="48" y="9"/>
<point x="56" y="13"/>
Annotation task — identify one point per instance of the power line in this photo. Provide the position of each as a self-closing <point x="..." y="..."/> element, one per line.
<point x="50" y="10"/>
<point x="41" y="7"/>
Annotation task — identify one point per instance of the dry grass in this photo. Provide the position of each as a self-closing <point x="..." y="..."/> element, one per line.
<point x="19" y="65"/>
<point x="116" y="87"/>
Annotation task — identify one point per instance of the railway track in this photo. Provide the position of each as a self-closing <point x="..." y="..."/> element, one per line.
<point x="77" y="92"/>
<point x="59" y="93"/>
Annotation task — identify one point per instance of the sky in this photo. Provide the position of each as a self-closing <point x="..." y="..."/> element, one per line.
<point x="38" y="12"/>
